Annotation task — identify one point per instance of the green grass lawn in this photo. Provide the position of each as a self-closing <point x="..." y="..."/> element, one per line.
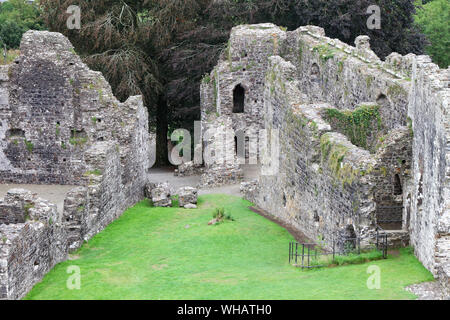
<point x="171" y="253"/>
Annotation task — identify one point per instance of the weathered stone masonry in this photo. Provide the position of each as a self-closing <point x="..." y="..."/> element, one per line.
<point x="32" y="240"/>
<point x="427" y="202"/>
<point x="61" y="124"/>
<point x="363" y="141"/>
<point x="239" y="75"/>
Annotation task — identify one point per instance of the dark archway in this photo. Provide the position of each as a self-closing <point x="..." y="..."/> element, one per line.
<point x="382" y="100"/>
<point x="238" y="99"/>
<point x="397" y="185"/>
<point x="315" y="72"/>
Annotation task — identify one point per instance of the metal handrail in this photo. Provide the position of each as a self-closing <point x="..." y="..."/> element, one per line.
<point x="314" y="252"/>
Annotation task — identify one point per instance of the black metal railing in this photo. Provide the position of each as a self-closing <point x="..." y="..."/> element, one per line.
<point x="313" y="255"/>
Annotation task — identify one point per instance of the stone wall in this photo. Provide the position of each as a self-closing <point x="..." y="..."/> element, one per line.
<point x="56" y="109"/>
<point x="61" y="124"/>
<point x="428" y="199"/>
<point x="244" y="65"/>
<point x="326" y="183"/>
<point x="30" y="245"/>
<point x="345" y="76"/>
<point x="328" y="70"/>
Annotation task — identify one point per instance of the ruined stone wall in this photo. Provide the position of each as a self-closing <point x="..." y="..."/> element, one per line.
<point x="56" y="109"/>
<point x="328" y="70"/>
<point x="30" y="245"/>
<point x="221" y="162"/>
<point x="393" y="156"/>
<point x="325" y="185"/>
<point x="303" y="74"/>
<point x="244" y="63"/>
<point x="408" y="177"/>
<point x="61" y="124"/>
<point x="345" y="76"/>
<point x="427" y="204"/>
<point x="89" y="209"/>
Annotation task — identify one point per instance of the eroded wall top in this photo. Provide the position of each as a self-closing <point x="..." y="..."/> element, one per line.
<point x="53" y="108"/>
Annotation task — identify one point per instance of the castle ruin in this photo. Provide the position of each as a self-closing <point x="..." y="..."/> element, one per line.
<point x="61" y="124"/>
<point x="363" y="142"/>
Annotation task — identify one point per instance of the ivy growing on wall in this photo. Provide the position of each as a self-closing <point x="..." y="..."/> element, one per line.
<point x="358" y="125"/>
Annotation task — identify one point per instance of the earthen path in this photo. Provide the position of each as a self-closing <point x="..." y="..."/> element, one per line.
<point x="158" y="175"/>
<point x="53" y="193"/>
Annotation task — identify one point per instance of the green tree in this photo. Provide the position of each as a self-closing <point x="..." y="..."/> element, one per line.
<point x="162" y="48"/>
<point x="10" y="34"/>
<point x="132" y="43"/>
<point x="16" y="17"/>
<point x="433" y="19"/>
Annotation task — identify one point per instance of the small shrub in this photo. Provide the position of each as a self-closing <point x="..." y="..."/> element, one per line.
<point x="29" y="145"/>
<point x="27" y="208"/>
<point x="175" y="201"/>
<point x="219" y="215"/>
<point x="359" y="125"/>
<point x="96" y="172"/>
<point x="10" y="56"/>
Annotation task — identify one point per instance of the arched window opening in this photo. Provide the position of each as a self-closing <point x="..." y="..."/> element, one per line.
<point x="238" y="99"/>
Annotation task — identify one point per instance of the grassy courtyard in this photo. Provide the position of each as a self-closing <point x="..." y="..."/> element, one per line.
<point x="171" y="253"/>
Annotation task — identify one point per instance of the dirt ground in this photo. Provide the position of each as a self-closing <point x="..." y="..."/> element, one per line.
<point x="57" y="193"/>
<point x="53" y="193"/>
<point x="159" y="175"/>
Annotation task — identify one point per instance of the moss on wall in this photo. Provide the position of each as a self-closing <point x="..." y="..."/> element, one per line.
<point x="396" y="90"/>
<point x="357" y="125"/>
<point x="325" y="52"/>
<point x="216" y="92"/>
<point x="332" y="153"/>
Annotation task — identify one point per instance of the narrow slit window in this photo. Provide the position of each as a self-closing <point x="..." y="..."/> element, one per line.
<point x="238" y="99"/>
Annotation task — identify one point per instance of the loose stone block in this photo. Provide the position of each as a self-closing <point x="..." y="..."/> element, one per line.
<point x="161" y="195"/>
<point x="187" y="196"/>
